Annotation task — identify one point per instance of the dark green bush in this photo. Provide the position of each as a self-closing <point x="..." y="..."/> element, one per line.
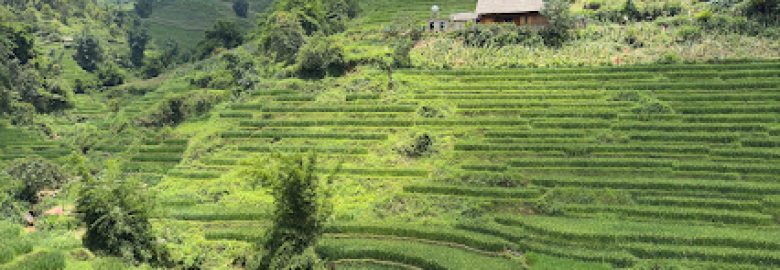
<point x="36" y="174"/>
<point x="498" y="35"/>
<point x="175" y="110"/>
<point x="421" y="146"/>
<point x="320" y="57"/>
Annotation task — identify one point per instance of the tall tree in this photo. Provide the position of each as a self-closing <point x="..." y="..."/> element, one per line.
<point x="144" y="8"/>
<point x="137" y="38"/>
<point x="241" y="8"/>
<point x="299" y="217"/>
<point x="88" y="52"/>
<point x="560" y="22"/>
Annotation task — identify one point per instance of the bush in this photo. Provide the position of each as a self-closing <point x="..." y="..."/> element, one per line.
<point x="173" y="111"/>
<point x="498" y="35"/>
<point x="320" y="57"/>
<point x="36" y="174"/>
<point x="669" y="58"/>
<point x="117" y="213"/>
<point x="688" y="33"/>
<point x="282" y="36"/>
<point x="109" y="75"/>
<point x="88" y="54"/>
<point x="421" y="146"/>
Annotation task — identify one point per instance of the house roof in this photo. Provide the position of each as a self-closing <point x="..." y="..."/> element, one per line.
<point x="508" y="6"/>
<point x="468" y="16"/>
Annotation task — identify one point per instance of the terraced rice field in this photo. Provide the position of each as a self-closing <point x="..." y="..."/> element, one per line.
<point x="690" y="153"/>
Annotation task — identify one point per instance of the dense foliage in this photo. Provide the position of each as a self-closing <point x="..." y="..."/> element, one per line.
<point x="116" y="211"/>
<point x="241" y="7"/>
<point x="300" y="212"/>
<point x="35" y="175"/>
<point x="321" y="57"/>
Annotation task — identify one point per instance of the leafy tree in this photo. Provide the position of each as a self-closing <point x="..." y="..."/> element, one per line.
<point x="282" y="36"/>
<point x="766" y="11"/>
<point x="320" y="57"/>
<point x="560" y="22"/>
<point x="110" y="74"/>
<point x="299" y="217"/>
<point x="144" y="8"/>
<point x="35" y="175"/>
<point x="116" y="212"/>
<point x="88" y="52"/>
<point x="241" y="7"/>
<point x="223" y="34"/>
<point x="20" y="40"/>
<point x="137" y="38"/>
<point x="170" y="52"/>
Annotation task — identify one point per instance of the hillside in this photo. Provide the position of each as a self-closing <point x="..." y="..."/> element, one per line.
<point x="651" y="143"/>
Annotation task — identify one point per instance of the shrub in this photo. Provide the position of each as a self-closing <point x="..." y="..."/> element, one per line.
<point x="117" y="213"/>
<point x="320" y="57"/>
<point x="498" y="35"/>
<point x="175" y="110"/>
<point x="282" y="36"/>
<point x="144" y="8"/>
<point x="89" y="53"/>
<point x="421" y="146"/>
<point x="109" y="74"/>
<point x="36" y="174"/>
<point x="688" y="33"/>
<point x="669" y="58"/>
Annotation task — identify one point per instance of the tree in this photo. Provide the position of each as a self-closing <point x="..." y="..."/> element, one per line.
<point x="88" y="52"/>
<point x="223" y="34"/>
<point x="560" y="22"/>
<point x="241" y="7"/>
<point x="144" y="8"/>
<point x="35" y="175"/>
<point x="766" y="11"/>
<point x="116" y="212"/>
<point x="301" y="210"/>
<point x="320" y="57"/>
<point x="282" y="36"/>
<point x="137" y="38"/>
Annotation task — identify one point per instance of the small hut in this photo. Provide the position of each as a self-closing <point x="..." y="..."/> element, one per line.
<point x="520" y="12"/>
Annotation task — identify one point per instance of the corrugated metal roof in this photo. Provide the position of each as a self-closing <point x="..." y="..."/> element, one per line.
<point x="508" y="6"/>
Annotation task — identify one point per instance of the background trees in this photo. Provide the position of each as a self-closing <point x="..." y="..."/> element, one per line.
<point x="144" y="8"/>
<point x="241" y="8"/>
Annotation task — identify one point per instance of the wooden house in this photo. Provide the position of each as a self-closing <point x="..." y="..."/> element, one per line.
<point x="520" y="12"/>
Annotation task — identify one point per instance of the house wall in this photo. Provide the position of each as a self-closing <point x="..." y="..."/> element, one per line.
<point x="532" y="18"/>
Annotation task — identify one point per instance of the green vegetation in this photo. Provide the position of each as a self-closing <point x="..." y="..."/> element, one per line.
<point x="174" y="134"/>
